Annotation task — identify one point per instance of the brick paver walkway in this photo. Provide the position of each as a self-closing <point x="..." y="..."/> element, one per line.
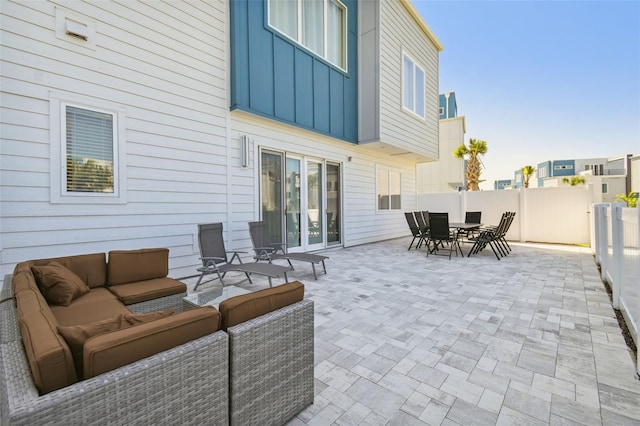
<point x="402" y="339"/>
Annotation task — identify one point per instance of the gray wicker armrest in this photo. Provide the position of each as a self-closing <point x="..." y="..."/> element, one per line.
<point x="184" y="385"/>
<point x="271" y="366"/>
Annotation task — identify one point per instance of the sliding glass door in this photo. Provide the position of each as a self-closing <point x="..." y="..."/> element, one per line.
<point x="300" y="200"/>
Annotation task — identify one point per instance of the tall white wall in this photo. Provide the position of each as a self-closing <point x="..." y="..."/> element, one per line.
<point x="548" y="215"/>
<point x="447" y="173"/>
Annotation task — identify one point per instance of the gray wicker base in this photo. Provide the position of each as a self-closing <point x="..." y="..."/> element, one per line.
<point x="271" y="366"/>
<point x="184" y="385"/>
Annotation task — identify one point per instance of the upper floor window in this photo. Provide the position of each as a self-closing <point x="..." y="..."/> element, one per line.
<point x="542" y="172"/>
<point x="389" y="190"/>
<point x="412" y="86"/>
<point x="563" y="167"/>
<point x="318" y="25"/>
<point x="86" y="163"/>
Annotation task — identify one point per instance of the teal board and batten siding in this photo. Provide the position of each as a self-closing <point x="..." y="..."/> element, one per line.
<point x="273" y="76"/>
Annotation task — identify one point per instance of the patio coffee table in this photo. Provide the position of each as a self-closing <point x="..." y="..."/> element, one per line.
<point x="213" y="297"/>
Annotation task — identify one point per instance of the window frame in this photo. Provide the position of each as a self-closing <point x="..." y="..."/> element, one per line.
<point x="389" y="171"/>
<point x="415" y="65"/>
<point x="58" y="150"/>
<point x="300" y="31"/>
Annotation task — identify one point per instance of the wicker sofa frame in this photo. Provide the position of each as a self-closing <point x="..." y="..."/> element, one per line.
<point x="271" y="366"/>
<point x="185" y="385"/>
<point x="258" y="372"/>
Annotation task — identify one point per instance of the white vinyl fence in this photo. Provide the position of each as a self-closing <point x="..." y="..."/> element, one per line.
<point x="545" y="215"/>
<point x="617" y="252"/>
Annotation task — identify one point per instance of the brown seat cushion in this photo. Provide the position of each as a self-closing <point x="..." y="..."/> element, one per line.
<point x="141" y="291"/>
<point x="135" y="319"/>
<point x="242" y="308"/>
<point x="94" y="306"/>
<point x="77" y="335"/>
<point x="58" y="285"/>
<point x="127" y="266"/>
<point x="112" y="350"/>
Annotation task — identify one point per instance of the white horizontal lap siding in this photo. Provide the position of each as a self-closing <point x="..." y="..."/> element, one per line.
<point x="164" y="63"/>
<point x="400" y="34"/>
<point x="362" y="222"/>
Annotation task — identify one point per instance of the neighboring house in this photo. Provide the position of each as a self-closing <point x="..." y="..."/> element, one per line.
<point x="125" y="124"/>
<point x="447" y="173"/>
<point x="502" y="184"/>
<point x="607" y="176"/>
<point x="634" y="169"/>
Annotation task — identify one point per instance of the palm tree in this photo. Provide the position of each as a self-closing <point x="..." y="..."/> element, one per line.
<point x="575" y="180"/>
<point x="527" y="172"/>
<point x="476" y="148"/>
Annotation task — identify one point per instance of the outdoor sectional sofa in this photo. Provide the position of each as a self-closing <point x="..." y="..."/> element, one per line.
<point x="252" y="362"/>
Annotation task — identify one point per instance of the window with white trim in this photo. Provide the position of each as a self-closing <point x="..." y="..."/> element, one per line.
<point x="319" y="25"/>
<point x="389" y="190"/>
<point x="86" y="152"/>
<point x="413" y="95"/>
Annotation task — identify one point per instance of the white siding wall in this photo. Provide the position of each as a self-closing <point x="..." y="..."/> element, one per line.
<point x="399" y="33"/>
<point x="362" y="223"/>
<point x="164" y="62"/>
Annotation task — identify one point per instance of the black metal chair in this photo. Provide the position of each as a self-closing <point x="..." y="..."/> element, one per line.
<point x="494" y="237"/>
<point x="416" y="231"/>
<point x="440" y="233"/>
<point x="471" y="217"/>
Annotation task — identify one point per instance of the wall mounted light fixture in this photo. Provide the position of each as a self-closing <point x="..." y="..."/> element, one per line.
<point x="244" y="151"/>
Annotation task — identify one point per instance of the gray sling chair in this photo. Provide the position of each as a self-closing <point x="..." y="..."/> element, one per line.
<point x="268" y="251"/>
<point x="215" y="260"/>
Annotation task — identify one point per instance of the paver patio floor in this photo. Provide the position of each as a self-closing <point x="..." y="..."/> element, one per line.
<point x="402" y="339"/>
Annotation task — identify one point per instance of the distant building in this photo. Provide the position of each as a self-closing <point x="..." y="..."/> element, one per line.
<point x="503" y="184"/>
<point x="608" y="176"/>
<point x="447" y="173"/>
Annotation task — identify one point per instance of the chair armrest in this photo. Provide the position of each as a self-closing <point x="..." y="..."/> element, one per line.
<point x="235" y="255"/>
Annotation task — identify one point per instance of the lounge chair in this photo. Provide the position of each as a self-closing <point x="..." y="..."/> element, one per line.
<point x="215" y="261"/>
<point x="268" y="251"/>
<point x="440" y="233"/>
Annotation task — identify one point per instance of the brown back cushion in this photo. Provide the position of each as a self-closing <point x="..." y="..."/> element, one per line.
<point x="242" y="308"/>
<point x="49" y="357"/>
<point x="90" y="268"/>
<point x="127" y="266"/>
<point x="112" y="350"/>
<point x="59" y="285"/>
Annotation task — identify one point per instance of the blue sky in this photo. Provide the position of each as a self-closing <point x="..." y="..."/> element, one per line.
<point x="541" y="80"/>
